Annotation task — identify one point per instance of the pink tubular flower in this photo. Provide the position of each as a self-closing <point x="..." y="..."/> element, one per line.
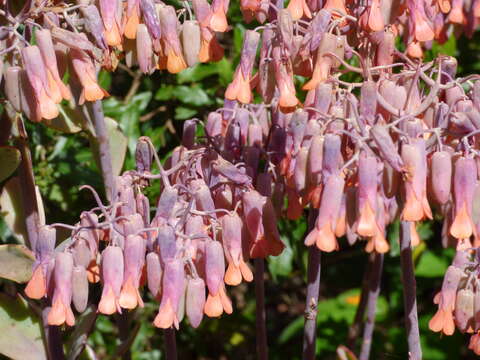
<point x="61" y="311"/>
<point x="134" y="258"/>
<point x="173" y="289"/>
<point x="85" y="70"/>
<point x="323" y="234"/>
<point x="299" y="9"/>
<point x="172" y="47"/>
<point x="112" y="278"/>
<point x="416" y="204"/>
<point x="37" y="76"/>
<point x="47" y="50"/>
<point x="465" y="178"/>
<point x="113" y="32"/>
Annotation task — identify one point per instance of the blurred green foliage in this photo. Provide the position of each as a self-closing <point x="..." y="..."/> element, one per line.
<point x="63" y="162"/>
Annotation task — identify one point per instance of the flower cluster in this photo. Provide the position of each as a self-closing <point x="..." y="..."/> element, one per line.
<point x="208" y="222"/>
<point x="75" y="42"/>
<point x="459" y="300"/>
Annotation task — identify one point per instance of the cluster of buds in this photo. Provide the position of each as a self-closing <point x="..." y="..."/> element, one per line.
<point x="77" y="41"/>
<point x="208" y="222"/>
<point x="459" y="299"/>
<point x="364" y="161"/>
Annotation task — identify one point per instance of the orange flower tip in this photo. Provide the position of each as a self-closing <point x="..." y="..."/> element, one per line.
<point x="165" y="317"/>
<point x="130" y="30"/>
<point x="128" y="296"/>
<point x="218" y="21"/>
<point x="456" y="16"/>
<point x="413" y="210"/>
<point x="226" y="302"/>
<point x="60" y="314"/>
<point x="36" y="288"/>
<point x="462" y="225"/>
<point x="112" y="36"/>
<point x="246" y="272"/>
<point x="213" y="306"/>
<point x="175" y="63"/>
<point x="366" y="224"/>
<point x="107" y="304"/>
<point x="326" y="240"/>
<point x="311" y="237"/>
<point x="233" y="275"/>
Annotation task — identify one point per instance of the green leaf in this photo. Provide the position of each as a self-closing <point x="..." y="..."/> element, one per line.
<point x="165" y="92"/>
<point x="21" y="331"/>
<point x="10" y="158"/>
<point x="12" y="209"/>
<point x="118" y="145"/>
<point x="197" y="73"/>
<point x="183" y="113"/>
<point x="192" y="95"/>
<point x="291" y="330"/>
<point x="69" y="121"/>
<point x="282" y="264"/>
<point x="431" y="265"/>
<point x="16" y="263"/>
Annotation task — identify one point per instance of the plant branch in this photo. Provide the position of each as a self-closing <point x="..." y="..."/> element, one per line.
<point x="170" y="344"/>
<point x="375" y="278"/>
<point x="262" y="344"/>
<point x="409" y="292"/>
<point x="313" y="290"/>
<point x="105" y="156"/>
<point x="355" y="328"/>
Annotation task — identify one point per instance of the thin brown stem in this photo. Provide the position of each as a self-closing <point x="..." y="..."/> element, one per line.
<point x="409" y="292"/>
<point x="373" y="293"/>
<point x="105" y="156"/>
<point x="313" y="290"/>
<point x="261" y="317"/>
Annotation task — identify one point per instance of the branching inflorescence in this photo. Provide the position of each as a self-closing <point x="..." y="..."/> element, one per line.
<point x="398" y="145"/>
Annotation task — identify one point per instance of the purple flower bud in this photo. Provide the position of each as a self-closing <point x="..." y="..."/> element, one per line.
<point x="12" y="86"/>
<point x="203" y="197"/>
<point x="143" y="155"/>
<point x="166" y="241"/>
<point x="314" y="166"/>
<point x="318" y="27"/>
<point x="166" y="202"/>
<point x="195" y="301"/>
<point x="285" y="29"/>
<point x="300" y="171"/>
<point x="61" y="311"/>
<point x="80" y="288"/>
<point x="94" y="25"/>
<point x="112" y="279"/>
<point x="154" y="274"/>
<point x="144" y="50"/>
<point x="213" y="126"/>
<point x="368" y="101"/>
<point x="387" y="148"/>
<point x="191" y="41"/>
<point x="332" y="156"/>
<point x="441" y="175"/>
<point x="231" y="172"/>
<point x="72" y="40"/>
<point x="214" y="266"/>
<point x="464" y="310"/>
